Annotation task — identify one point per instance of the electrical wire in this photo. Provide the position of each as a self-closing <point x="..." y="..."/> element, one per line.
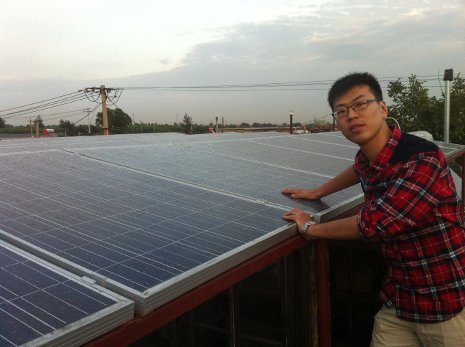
<point x="86" y="92"/>
<point x="116" y="96"/>
<point x="291" y="85"/>
<point x="45" y="106"/>
<point x="38" y="102"/>
<point x="87" y="114"/>
<point x="92" y="94"/>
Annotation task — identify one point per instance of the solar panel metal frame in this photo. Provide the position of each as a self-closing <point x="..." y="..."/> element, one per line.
<point x="89" y="327"/>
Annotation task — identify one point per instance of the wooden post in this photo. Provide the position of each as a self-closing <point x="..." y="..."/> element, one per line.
<point x="37" y="128"/>
<point x="103" y="93"/>
<point x="290" y="122"/>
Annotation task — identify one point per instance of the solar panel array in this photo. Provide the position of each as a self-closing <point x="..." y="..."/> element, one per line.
<point x="153" y="216"/>
<point x="40" y="304"/>
<point x="128" y="229"/>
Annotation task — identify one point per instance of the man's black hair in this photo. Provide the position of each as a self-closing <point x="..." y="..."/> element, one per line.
<point x="344" y="84"/>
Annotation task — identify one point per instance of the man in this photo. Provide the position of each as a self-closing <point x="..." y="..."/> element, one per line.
<point x="411" y="207"/>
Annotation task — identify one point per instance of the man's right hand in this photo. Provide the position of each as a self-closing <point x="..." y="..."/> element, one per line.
<point x="308" y="194"/>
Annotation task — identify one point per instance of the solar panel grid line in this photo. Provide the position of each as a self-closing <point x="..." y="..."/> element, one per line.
<point x="236" y="192"/>
<point x="309" y="140"/>
<point x="273" y="165"/>
<point x="303" y="151"/>
<point x="208" y="188"/>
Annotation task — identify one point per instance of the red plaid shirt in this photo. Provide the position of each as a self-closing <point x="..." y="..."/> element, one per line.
<point x="412" y="207"/>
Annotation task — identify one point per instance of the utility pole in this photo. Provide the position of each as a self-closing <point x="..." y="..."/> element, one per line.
<point x="37" y="127"/>
<point x="448" y="76"/>
<point x="291" y="114"/>
<point x="103" y="94"/>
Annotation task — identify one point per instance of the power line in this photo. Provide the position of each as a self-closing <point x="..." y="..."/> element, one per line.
<point x="38" y="102"/>
<point x="87" y="114"/>
<point x="48" y="105"/>
<point x="290" y="85"/>
<point x="87" y="93"/>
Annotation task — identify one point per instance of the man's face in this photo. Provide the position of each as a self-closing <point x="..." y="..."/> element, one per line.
<point x="363" y="125"/>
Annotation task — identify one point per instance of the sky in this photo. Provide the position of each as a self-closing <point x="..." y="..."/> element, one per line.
<point x="241" y="61"/>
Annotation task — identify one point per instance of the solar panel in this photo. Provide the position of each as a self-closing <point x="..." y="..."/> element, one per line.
<point x="248" y="165"/>
<point x="152" y="216"/>
<point x="41" y="304"/>
<point x="138" y="234"/>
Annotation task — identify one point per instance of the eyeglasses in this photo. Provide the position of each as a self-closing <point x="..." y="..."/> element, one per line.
<point x="357" y="106"/>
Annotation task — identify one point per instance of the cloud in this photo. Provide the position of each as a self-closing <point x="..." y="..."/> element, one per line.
<point x="320" y="42"/>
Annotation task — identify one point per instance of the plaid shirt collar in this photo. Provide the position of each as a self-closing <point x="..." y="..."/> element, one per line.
<point x="382" y="160"/>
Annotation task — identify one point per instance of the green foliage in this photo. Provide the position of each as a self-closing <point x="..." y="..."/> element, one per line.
<point x="457" y="111"/>
<point x="16" y="130"/>
<point x="412" y="106"/>
<point x="415" y="110"/>
<point x="41" y="122"/>
<point x="2" y="123"/>
<point x="187" y="123"/>
<point x="68" y="127"/>
<point x="118" y="121"/>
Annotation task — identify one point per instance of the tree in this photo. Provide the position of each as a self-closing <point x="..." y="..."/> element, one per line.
<point x="41" y="122"/>
<point x="414" y="109"/>
<point x="412" y="106"/>
<point x="67" y="126"/>
<point x="118" y="120"/>
<point x="457" y="111"/>
<point x="2" y="123"/>
<point x="187" y="124"/>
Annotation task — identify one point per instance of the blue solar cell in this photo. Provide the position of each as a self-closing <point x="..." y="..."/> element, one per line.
<point x="35" y="278"/>
<point x="52" y="242"/>
<point x="157" y="270"/>
<point x="168" y="210"/>
<point x="109" y="251"/>
<point x="120" y="276"/>
<point x="171" y="230"/>
<point x="54" y="306"/>
<point x="75" y="297"/>
<point x="70" y="236"/>
<point x="198" y="256"/>
<point x="37" y="223"/>
<point x="96" y="260"/>
<point x="211" y="243"/>
<point x="201" y="220"/>
<point x="14" y="332"/>
<point x="245" y="205"/>
<point x="135" y="244"/>
<point x="261" y="222"/>
<point x="7" y="211"/>
<point x="17" y="228"/>
<point x="238" y="232"/>
<point x="173" y="260"/>
<point x="135" y="219"/>
<point x="132" y="276"/>
<point x="15" y="284"/>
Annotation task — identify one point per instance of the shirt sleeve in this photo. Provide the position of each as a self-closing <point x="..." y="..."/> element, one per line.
<point x="407" y="198"/>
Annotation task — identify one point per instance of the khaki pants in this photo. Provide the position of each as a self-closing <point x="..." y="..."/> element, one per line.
<point x="390" y="331"/>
